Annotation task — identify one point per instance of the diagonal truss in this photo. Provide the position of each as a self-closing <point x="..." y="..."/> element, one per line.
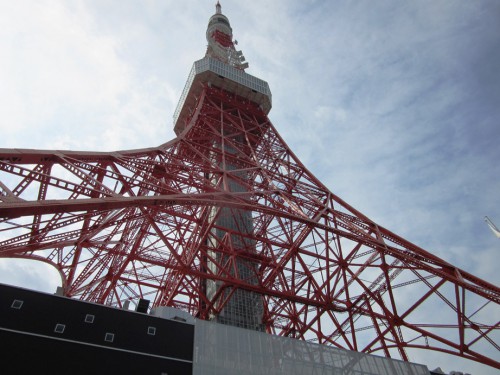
<point x="135" y="224"/>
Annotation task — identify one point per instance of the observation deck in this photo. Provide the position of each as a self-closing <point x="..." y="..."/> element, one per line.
<point x="214" y="72"/>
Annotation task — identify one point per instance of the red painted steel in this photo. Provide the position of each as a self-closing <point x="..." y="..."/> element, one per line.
<point x="223" y="39"/>
<point x="140" y="224"/>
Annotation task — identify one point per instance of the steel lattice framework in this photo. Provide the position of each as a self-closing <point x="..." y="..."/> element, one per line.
<point x="135" y="224"/>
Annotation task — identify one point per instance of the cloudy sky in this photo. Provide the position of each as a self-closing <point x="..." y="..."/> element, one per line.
<point x="394" y="105"/>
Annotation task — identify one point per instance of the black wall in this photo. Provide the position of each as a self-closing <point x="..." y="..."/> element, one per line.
<point x="30" y="345"/>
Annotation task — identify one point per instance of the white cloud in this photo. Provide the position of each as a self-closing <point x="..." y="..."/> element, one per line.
<point x="58" y="68"/>
<point x="29" y="274"/>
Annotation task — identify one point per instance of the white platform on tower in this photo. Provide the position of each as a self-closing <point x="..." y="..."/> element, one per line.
<point x="212" y="71"/>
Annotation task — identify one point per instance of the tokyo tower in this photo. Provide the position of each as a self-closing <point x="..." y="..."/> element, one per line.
<point x="226" y="223"/>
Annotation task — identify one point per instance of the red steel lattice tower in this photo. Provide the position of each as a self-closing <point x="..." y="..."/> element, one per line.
<point x="226" y="223"/>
